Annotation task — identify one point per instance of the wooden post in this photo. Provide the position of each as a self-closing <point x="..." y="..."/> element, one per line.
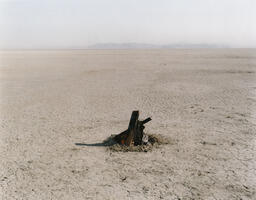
<point x="132" y="128"/>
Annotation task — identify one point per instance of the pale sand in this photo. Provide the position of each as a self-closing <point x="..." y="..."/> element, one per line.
<point x="204" y="101"/>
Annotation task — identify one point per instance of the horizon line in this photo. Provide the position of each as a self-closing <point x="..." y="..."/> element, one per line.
<point x="131" y="48"/>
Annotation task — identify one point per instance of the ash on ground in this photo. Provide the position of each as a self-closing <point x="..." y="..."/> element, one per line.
<point x="153" y="140"/>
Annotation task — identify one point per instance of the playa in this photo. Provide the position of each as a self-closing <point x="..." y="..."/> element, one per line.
<point x="203" y="100"/>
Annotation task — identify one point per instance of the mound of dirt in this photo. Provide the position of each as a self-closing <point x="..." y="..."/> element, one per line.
<point x="153" y="141"/>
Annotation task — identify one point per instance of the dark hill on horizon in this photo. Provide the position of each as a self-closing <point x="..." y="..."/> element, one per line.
<point x="151" y="46"/>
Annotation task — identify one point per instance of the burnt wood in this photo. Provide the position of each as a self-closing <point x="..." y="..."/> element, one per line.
<point x="132" y="128"/>
<point x="134" y="134"/>
<point x="146" y="120"/>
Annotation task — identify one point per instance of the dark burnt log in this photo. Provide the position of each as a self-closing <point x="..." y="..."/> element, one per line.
<point x="139" y="134"/>
<point x="122" y="137"/>
<point x="134" y="134"/>
<point x="146" y="120"/>
<point x="132" y="128"/>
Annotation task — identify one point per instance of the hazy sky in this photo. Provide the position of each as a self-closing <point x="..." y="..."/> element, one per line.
<point x="78" y="23"/>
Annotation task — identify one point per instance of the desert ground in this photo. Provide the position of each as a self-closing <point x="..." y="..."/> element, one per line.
<point x="202" y="100"/>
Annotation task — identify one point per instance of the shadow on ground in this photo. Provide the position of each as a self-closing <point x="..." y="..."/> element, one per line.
<point x="106" y="143"/>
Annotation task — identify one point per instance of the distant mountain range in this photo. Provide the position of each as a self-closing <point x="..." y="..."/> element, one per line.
<point x="151" y="46"/>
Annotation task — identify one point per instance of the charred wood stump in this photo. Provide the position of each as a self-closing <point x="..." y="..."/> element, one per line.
<point x="134" y="134"/>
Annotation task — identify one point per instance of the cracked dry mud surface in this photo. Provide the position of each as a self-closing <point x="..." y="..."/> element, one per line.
<point x="203" y="100"/>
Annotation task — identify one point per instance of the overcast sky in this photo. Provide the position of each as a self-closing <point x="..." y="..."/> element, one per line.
<point x="78" y="23"/>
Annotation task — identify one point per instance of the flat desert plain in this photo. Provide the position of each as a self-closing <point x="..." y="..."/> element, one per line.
<point x="202" y="100"/>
